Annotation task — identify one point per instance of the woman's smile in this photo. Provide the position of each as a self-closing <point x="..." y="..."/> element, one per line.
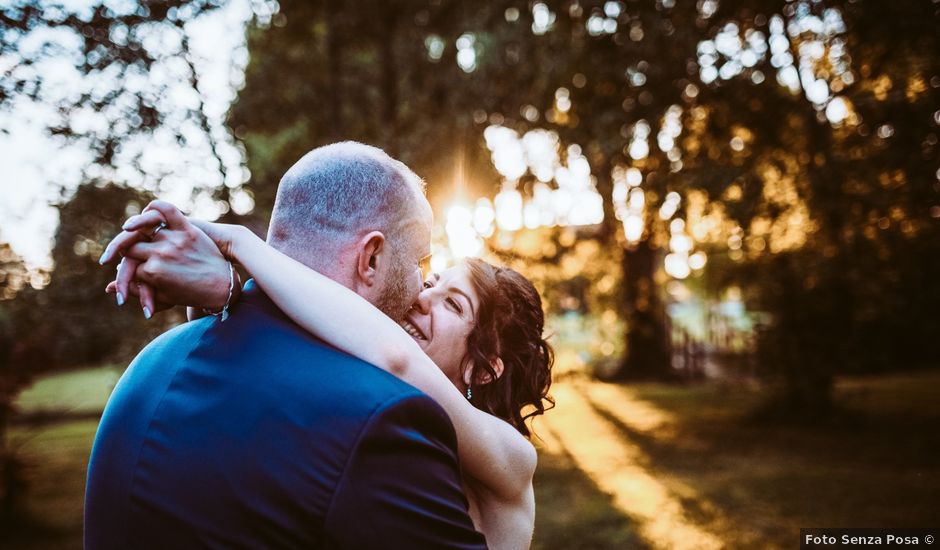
<point x="442" y="317"/>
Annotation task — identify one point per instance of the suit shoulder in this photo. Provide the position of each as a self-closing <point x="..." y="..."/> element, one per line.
<point x="326" y="367"/>
<point x="409" y="414"/>
<point x="291" y="356"/>
<point x="421" y="504"/>
<point x="185" y="335"/>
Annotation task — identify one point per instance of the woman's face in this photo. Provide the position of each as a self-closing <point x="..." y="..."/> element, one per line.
<point x="442" y="318"/>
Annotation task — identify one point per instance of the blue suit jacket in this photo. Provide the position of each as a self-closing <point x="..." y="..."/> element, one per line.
<point x="253" y="434"/>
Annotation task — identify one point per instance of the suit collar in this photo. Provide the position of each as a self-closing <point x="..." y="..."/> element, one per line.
<point x="252" y="295"/>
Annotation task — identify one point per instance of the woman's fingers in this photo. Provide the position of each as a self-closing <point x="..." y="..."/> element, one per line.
<point x="136" y="229"/>
<point x="125" y="276"/>
<point x="112" y="288"/>
<point x="172" y="216"/>
<point x="204" y="226"/>
<point x="147" y="300"/>
<point x="142" y="228"/>
<point x="134" y="245"/>
<point x="120" y="243"/>
<point x="148" y="220"/>
<point x="141" y="251"/>
<point x="144" y="292"/>
<point x="133" y="289"/>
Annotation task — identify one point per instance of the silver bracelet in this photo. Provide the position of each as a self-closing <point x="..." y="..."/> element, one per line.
<point x="223" y="313"/>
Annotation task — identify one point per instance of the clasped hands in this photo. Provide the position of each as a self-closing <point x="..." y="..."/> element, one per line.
<point x="168" y="259"/>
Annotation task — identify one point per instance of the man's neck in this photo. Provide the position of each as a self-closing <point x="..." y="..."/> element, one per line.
<point x="329" y="263"/>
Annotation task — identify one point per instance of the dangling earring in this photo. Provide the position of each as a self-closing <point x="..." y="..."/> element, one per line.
<point x="469" y="394"/>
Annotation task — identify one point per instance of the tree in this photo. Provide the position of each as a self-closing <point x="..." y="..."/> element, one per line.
<point x="131" y="89"/>
<point x="65" y="319"/>
<point x="854" y="296"/>
<point x="114" y="51"/>
<point x="398" y="82"/>
<point x="779" y="137"/>
<point x="328" y="71"/>
<point x="621" y="67"/>
<point x="792" y="191"/>
<point x="14" y="276"/>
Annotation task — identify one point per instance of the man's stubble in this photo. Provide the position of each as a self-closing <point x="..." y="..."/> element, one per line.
<point x="395" y="299"/>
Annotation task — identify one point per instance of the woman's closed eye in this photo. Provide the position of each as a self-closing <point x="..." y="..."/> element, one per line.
<point x="455" y="305"/>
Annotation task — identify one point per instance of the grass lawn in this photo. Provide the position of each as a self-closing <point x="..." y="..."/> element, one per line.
<point x="58" y="419"/>
<point x="571" y="512"/>
<point x="73" y="393"/>
<point x="876" y="464"/>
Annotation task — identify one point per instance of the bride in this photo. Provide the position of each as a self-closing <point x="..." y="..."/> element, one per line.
<point x="472" y="341"/>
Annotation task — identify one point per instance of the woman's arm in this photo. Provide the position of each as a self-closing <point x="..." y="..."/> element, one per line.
<point x="506" y="524"/>
<point x="491" y="451"/>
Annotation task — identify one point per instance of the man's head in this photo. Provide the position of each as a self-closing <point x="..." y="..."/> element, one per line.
<point x="358" y="216"/>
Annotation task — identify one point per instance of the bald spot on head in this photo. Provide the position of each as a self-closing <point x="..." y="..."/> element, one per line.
<point x="339" y="192"/>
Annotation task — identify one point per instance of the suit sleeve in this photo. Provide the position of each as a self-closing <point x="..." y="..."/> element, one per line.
<point x="401" y="486"/>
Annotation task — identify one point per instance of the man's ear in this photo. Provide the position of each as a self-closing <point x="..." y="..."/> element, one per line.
<point x="483" y="377"/>
<point x="368" y="255"/>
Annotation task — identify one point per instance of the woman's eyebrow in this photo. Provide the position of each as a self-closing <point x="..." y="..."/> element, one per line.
<point x="455" y="290"/>
<point x="466" y="297"/>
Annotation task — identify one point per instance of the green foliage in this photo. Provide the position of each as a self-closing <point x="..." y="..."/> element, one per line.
<point x="13" y="277"/>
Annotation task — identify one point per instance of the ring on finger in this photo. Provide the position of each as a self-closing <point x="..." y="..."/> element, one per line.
<point x="158" y="229"/>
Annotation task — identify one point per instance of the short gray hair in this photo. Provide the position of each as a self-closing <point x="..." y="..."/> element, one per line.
<point x="336" y="193"/>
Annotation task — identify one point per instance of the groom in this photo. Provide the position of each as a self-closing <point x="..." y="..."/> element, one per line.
<point x="251" y="433"/>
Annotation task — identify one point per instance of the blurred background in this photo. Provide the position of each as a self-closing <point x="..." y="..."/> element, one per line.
<point x="732" y="209"/>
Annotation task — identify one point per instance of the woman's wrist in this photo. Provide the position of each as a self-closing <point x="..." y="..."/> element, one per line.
<point x="232" y="294"/>
<point x="241" y="238"/>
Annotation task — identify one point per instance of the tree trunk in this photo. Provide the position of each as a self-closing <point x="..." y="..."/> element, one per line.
<point x="12" y="483"/>
<point x="647" y="346"/>
<point x="807" y="359"/>
<point x="603" y="168"/>
<point x="646" y="343"/>
<point x="794" y="349"/>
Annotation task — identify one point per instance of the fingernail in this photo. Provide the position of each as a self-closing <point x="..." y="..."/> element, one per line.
<point x="147" y="313"/>
<point x="120" y="299"/>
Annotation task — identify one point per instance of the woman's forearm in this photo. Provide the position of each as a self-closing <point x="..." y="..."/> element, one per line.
<point x="322" y="306"/>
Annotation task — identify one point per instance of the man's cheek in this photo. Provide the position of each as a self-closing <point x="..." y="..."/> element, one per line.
<point x="417" y="282"/>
